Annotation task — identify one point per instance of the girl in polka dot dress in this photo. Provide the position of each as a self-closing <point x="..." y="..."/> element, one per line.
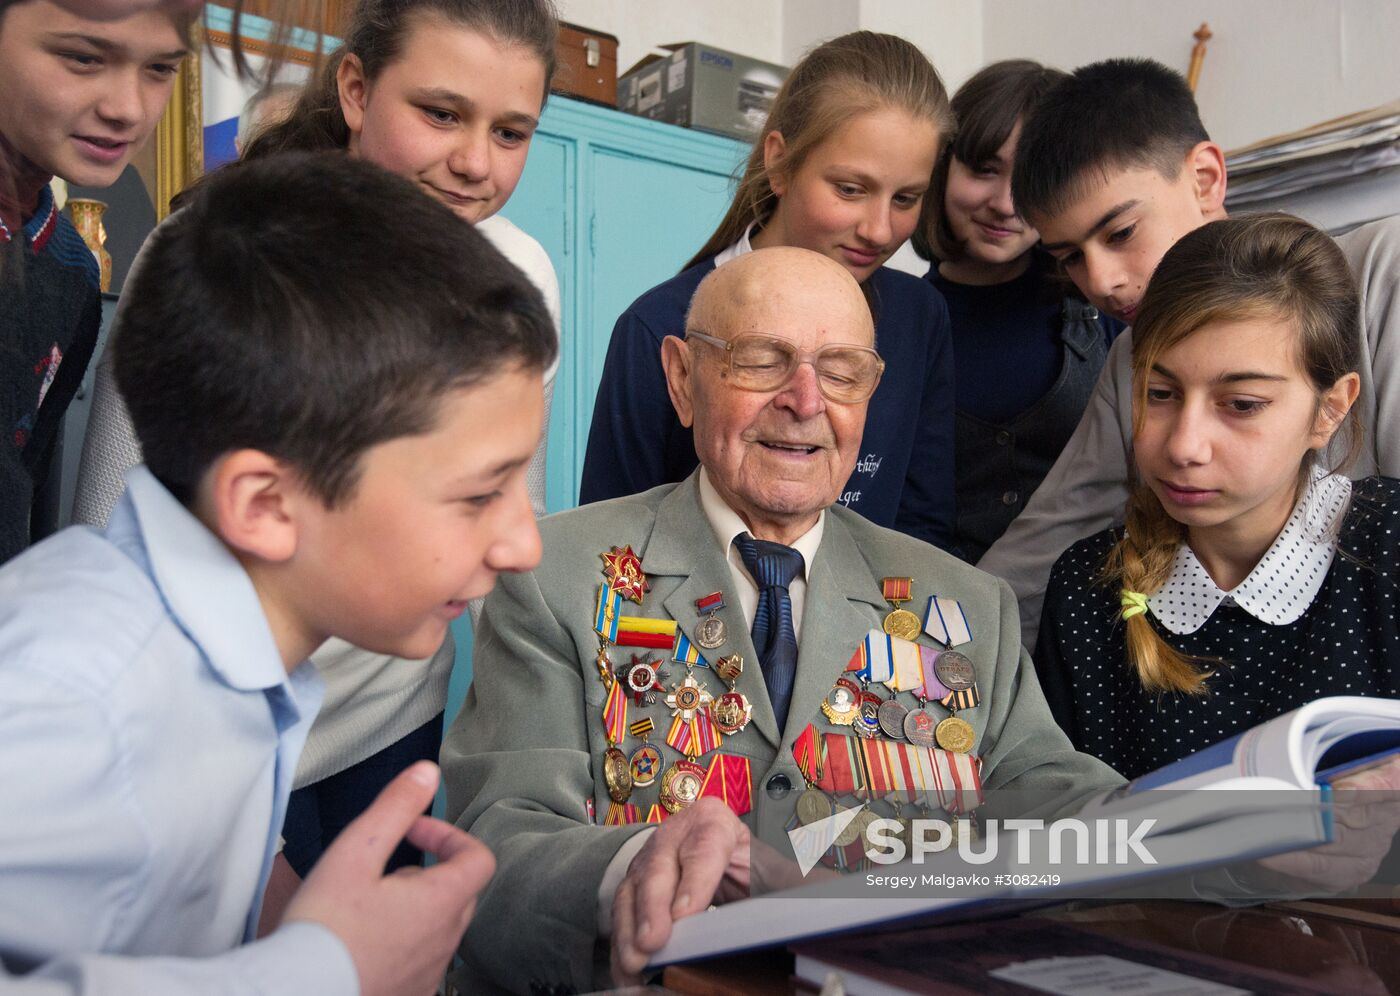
<point x="1248" y="579"/>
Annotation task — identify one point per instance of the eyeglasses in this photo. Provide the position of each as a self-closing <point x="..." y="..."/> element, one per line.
<point x="846" y="375"/>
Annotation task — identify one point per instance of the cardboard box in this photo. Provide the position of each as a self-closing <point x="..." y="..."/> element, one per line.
<point x="699" y="86"/>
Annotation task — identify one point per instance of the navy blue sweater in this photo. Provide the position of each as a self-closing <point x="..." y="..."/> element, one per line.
<point x="904" y="477"/>
<point x="50" y="310"/>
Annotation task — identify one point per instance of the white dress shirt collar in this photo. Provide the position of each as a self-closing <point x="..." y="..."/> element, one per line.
<point x="738" y="248"/>
<point x="1282" y="585"/>
<point x="726" y="524"/>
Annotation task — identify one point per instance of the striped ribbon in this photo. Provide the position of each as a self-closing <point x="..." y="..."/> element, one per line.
<point x="608" y="612"/>
<point x="639" y="631"/>
<point x="892" y="661"/>
<point x="965" y="699"/>
<point x="620" y="814"/>
<point x="695" y="737"/>
<point x="728" y="779"/>
<point x="931" y="688"/>
<point x="946" y="622"/>
<point x="871" y="768"/>
<point x="806" y="754"/>
<point x="959" y="781"/>
<point x="642" y="728"/>
<point x="615" y="713"/>
<point x="657" y="813"/>
<point x="685" y="652"/>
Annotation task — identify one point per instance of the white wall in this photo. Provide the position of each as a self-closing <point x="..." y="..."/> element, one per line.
<point x="1273" y="65"/>
<point x="749" y="27"/>
<point x="949" y="31"/>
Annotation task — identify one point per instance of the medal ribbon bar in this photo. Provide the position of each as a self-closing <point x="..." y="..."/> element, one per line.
<point x="897" y="590"/>
<point x="946" y="622"/>
<point x="615" y="713"/>
<point x="620" y="814"/>
<point x="607" y="614"/>
<point x="710" y="603"/>
<point x="685" y="652"/>
<point x="728" y="779"/>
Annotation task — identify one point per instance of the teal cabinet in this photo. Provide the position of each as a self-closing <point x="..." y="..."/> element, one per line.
<point x="620" y="203"/>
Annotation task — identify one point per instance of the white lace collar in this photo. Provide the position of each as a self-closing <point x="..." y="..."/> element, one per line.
<point x="1282" y="585"/>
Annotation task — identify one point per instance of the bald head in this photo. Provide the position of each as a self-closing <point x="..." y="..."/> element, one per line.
<point x="772" y="440"/>
<point x="737" y="296"/>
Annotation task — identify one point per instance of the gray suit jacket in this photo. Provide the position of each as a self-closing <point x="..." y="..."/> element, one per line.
<point x="525" y="753"/>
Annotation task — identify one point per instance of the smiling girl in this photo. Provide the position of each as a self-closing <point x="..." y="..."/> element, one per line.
<point x="78" y="98"/>
<point x="1249" y="579"/>
<point x="1027" y="353"/>
<point x="845" y="159"/>
<point x="446" y="93"/>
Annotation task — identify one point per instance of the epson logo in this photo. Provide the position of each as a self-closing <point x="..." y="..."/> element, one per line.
<point x="716" y="59"/>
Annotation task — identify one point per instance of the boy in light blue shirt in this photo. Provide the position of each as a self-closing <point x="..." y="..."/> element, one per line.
<point x="310" y="354"/>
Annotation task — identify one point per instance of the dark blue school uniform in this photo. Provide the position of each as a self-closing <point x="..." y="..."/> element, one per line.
<point x="1028" y="359"/>
<point x="904" y="477"/>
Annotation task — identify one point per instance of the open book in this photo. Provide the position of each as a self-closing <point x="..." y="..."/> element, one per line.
<point x="1312" y="745"/>
<point x="1268" y="794"/>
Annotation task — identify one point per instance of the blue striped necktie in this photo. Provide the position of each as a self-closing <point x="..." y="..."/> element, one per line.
<point x="773" y="566"/>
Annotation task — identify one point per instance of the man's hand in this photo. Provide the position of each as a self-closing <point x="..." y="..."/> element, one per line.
<point x="400" y="929"/>
<point x="697" y="857"/>
<point x="1366" y="817"/>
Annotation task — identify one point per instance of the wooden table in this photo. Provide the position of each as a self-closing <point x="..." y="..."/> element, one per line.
<point x="1351" y="947"/>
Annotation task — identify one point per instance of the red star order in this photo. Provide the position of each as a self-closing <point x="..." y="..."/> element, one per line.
<point x="623" y="569"/>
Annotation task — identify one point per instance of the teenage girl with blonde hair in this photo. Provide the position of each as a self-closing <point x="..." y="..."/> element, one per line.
<point x="1250" y="578"/>
<point x="842" y="167"/>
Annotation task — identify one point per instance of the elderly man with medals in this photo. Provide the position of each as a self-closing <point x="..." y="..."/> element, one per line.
<point x="728" y="656"/>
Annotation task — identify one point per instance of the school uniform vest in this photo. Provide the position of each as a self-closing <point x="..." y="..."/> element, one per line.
<point x="1000" y="464"/>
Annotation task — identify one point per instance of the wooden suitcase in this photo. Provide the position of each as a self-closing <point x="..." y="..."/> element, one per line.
<point x="587" y="65"/>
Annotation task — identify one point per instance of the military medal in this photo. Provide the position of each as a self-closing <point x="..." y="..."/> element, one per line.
<point x="617" y="772"/>
<point x="891" y="716"/>
<point x="688" y="698"/>
<point x="645" y="763"/>
<point x="955" y="670"/>
<point x="956" y="735"/>
<point x="729" y="668"/>
<point x="693" y="730"/>
<point x="710" y="632"/>
<point x="643" y="677"/>
<point x="680" y="785"/>
<point x="867" y="723"/>
<point x="813" y="805"/>
<point x="919" y="727"/>
<point x="623" y="569"/>
<point x="848" y="836"/>
<point x="842" y="702"/>
<point x="900" y="622"/>
<point x="732" y="710"/>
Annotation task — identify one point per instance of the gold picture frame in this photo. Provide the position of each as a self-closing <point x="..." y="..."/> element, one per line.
<point x="179" y="143"/>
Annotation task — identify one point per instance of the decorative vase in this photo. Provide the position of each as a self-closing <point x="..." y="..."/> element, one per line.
<point x="87" y="219"/>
